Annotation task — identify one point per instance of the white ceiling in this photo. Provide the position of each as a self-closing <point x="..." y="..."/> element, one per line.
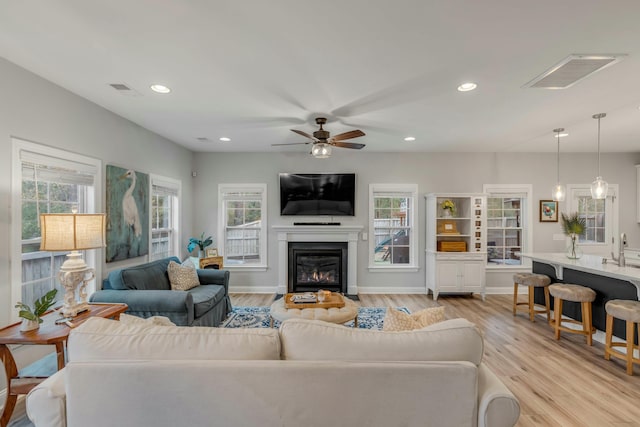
<point x="251" y="70"/>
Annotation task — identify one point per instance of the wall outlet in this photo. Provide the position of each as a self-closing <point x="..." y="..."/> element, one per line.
<point x="559" y="237"/>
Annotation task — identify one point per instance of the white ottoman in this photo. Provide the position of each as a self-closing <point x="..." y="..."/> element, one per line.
<point x="334" y="315"/>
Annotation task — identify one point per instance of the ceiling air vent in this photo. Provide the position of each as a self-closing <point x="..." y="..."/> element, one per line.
<point x="572" y="69"/>
<point x="203" y="139"/>
<point x="124" y="89"/>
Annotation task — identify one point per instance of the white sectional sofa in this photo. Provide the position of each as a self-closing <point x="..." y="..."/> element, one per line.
<point x="308" y="373"/>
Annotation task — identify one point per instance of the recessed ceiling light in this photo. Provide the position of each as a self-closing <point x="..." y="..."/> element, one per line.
<point x="466" y="87"/>
<point x="160" y="89"/>
<point x="410" y="138"/>
<point x="225" y="139"/>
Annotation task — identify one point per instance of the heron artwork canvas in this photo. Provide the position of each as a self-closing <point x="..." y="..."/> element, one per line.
<point x="127" y="213"/>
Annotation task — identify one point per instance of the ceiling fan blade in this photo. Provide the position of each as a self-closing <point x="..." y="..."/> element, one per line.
<point x="348" y="145"/>
<point x="348" y="135"/>
<point x="292" y="143"/>
<point x="306" y="135"/>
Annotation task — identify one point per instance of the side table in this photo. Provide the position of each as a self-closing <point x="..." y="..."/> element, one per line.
<point x="48" y="334"/>
<point x="212" y="262"/>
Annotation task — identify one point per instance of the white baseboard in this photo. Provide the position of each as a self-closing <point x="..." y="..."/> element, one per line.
<point x="391" y="290"/>
<point x="253" y="289"/>
<point x="499" y="290"/>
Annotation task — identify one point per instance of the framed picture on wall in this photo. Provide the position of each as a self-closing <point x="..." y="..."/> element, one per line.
<point x="548" y="211"/>
<point x="214" y="252"/>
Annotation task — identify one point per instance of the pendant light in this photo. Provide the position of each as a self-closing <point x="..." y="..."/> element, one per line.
<point x="559" y="191"/>
<point x="599" y="187"/>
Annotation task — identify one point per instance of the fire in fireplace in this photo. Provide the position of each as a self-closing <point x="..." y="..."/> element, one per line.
<point x="317" y="265"/>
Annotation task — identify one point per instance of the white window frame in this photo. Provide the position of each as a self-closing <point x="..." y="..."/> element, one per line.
<point x="500" y="190"/>
<point x="611" y="233"/>
<point x="94" y="204"/>
<point x="222" y="214"/>
<point x="401" y="189"/>
<point x="176" y="202"/>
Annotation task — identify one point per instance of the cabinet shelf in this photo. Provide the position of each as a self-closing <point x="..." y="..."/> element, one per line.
<point x="460" y="268"/>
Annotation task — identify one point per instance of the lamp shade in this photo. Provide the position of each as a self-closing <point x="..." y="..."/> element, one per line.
<point x="72" y="232"/>
<point x="321" y="150"/>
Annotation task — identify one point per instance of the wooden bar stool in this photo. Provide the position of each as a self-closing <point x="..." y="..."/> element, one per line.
<point x="629" y="311"/>
<point x="575" y="293"/>
<point x="532" y="281"/>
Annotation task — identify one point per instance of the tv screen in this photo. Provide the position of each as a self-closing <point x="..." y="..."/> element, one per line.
<point x="317" y="194"/>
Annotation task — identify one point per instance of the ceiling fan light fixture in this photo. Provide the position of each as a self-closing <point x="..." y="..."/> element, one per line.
<point x="321" y="150"/>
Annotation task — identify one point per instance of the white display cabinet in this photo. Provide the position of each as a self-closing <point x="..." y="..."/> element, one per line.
<point x="456" y="248"/>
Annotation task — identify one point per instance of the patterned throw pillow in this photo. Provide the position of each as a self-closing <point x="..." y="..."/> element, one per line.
<point x="182" y="278"/>
<point x="395" y="320"/>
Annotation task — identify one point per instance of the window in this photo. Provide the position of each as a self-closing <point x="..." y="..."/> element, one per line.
<point x="165" y="197"/>
<point x="509" y="213"/>
<point x="601" y="216"/>
<point x="242" y="225"/>
<point x="392" y="220"/>
<point x="46" y="180"/>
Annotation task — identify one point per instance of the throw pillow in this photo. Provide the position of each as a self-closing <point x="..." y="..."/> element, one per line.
<point x="395" y="320"/>
<point x="152" y="321"/>
<point x="182" y="278"/>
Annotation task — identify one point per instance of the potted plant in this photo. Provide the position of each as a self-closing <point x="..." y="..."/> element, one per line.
<point x="448" y="207"/>
<point x="201" y="243"/>
<point x="31" y="318"/>
<point x="573" y="226"/>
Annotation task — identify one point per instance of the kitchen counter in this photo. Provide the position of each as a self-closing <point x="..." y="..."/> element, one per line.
<point x="608" y="280"/>
<point x="588" y="264"/>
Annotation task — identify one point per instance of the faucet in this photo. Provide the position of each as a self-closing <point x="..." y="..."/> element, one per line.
<point x="621" y="245"/>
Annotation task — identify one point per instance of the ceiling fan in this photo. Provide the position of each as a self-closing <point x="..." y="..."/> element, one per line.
<point x="322" y="141"/>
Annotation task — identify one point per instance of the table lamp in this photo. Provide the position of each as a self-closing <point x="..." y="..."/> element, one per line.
<point x="73" y="232"/>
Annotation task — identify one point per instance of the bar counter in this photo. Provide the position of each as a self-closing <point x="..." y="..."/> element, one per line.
<point x="608" y="280"/>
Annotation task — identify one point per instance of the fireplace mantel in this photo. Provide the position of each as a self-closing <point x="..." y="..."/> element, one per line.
<point x="318" y="233"/>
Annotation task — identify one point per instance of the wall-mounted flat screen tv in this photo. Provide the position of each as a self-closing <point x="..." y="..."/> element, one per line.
<point x="317" y="194"/>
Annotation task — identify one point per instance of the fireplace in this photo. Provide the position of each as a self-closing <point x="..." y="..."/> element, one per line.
<point x="317" y="265"/>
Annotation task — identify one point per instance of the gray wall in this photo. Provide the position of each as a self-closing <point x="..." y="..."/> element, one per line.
<point x="433" y="172"/>
<point x="34" y="109"/>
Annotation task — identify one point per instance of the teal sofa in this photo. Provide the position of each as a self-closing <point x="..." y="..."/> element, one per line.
<point x="146" y="290"/>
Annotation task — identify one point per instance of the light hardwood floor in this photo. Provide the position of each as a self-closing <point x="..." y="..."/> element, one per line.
<point x="558" y="383"/>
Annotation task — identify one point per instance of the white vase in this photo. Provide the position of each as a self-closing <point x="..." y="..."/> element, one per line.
<point x="446" y="213"/>
<point x="29" y="325"/>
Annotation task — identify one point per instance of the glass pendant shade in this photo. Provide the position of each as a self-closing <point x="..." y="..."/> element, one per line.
<point x="321" y="150"/>
<point x="599" y="187"/>
<point x="559" y="192"/>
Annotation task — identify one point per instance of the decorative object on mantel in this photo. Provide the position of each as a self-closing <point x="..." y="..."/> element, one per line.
<point x="548" y="211"/>
<point x="559" y="191"/>
<point x="573" y="226"/>
<point x="31" y="318"/>
<point x="599" y="187"/>
<point x="201" y="243"/>
<point x="448" y="208"/>
<point x="73" y="232"/>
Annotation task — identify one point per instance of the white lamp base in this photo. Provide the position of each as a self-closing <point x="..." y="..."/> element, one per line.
<point x="73" y="273"/>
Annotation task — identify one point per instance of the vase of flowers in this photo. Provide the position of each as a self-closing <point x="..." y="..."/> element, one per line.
<point x="448" y="208"/>
<point x="201" y="243"/>
<point x="31" y="319"/>
<point x="573" y="226"/>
